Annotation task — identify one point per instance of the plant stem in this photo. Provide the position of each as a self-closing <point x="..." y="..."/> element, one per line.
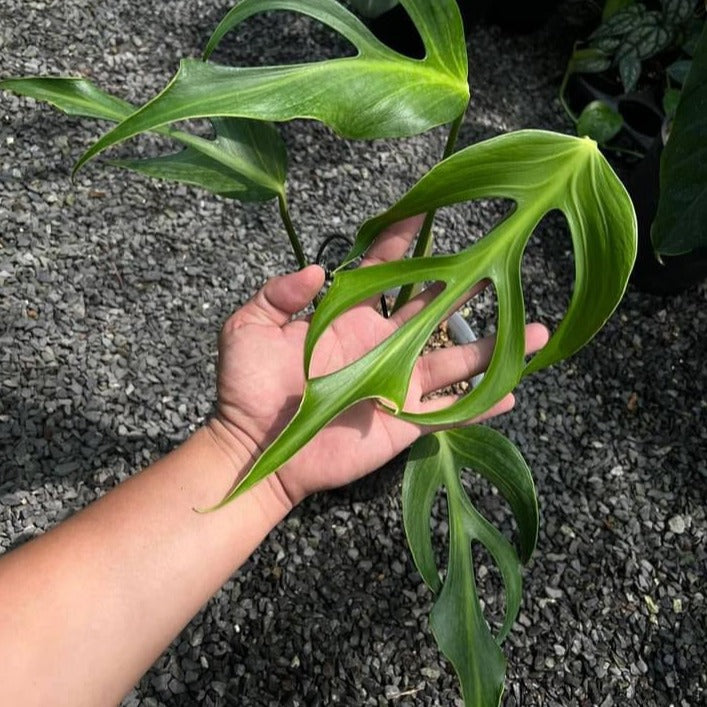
<point x="563" y="100"/>
<point x="289" y="227"/>
<point x="423" y="246"/>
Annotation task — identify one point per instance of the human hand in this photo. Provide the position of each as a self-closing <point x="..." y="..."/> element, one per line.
<point x="261" y="378"/>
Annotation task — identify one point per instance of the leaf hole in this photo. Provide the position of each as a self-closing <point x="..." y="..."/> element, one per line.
<point x="458" y="226"/>
<point x="300" y="38"/>
<point x="547" y="271"/>
<point x="489" y="586"/>
<point x="363" y="326"/>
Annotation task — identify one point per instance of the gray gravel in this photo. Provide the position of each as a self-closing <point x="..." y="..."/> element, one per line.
<point x="112" y="291"/>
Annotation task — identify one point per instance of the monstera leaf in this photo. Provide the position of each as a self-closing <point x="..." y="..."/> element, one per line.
<point x="376" y="93"/>
<point x="541" y="172"/>
<point x="457" y="620"/>
<point x="247" y="160"/>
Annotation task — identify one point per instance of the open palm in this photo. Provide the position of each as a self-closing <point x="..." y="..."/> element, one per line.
<point x="261" y="378"/>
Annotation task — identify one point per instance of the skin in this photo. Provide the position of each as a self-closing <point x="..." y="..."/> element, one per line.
<point x="88" y="607"/>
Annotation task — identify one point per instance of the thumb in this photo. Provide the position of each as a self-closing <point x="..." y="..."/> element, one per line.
<point x="280" y="298"/>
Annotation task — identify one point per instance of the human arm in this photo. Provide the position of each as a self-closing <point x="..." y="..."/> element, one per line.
<point x="88" y="607"/>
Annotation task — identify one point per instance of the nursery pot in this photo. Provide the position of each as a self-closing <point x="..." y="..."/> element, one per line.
<point x="675" y="273"/>
<point x="396" y="29"/>
<point x="644" y="131"/>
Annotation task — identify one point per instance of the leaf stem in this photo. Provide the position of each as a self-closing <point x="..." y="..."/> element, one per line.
<point x="289" y="227"/>
<point x="423" y="246"/>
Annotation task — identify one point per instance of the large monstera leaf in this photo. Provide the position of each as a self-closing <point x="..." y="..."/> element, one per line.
<point x="457" y="619"/>
<point x="376" y="93"/>
<point x="247" y="159"/>
<point x="541" y="172"/>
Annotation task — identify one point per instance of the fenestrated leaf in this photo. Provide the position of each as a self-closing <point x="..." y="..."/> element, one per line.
<point x="75" y="96"/>
<point x="457" y="619"/>
<point x="679" y="225"/>
<point x="541" y="172"/>
<point x="251" y="147"/>
<point x="246" y="161"/>
<point x="599" y="121"/>
<point x="377" y="93"/>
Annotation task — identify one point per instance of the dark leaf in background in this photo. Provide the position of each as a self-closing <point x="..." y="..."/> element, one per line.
<point x="681" y="222"/>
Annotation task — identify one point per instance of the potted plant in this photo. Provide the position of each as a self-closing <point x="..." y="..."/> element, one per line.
<point x="637" y="85"/>
<point x="380" y="93"/>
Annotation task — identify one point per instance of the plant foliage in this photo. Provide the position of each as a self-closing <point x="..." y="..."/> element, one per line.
<point x="457" y="620"/>
<point x="380" y="93"/>
<point x="680" y="224"/>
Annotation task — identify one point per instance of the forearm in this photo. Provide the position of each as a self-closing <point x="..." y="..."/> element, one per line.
<point x="88" y="607"/>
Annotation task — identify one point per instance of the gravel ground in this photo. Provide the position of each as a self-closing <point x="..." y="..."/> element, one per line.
<point x="112" y="291"/>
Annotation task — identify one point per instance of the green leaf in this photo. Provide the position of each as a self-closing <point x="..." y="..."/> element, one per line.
<point x="75" y="96"/>
<point x="590" y="60"/>
<point x="620" y="22"/>
<point x="647" y="39"/>
<point x="377" y="93"/>
<point x="679" y="70"/>
<point x="599" y="121"/>
<point x="246" y="161"/>
<point x="611" y="7"/>
<point x="630" y="70"/>
<point x="679" y="225"/>
<point x="373" y="8"/>
<point x="457" y="619"/>
<point x="242" y="149"/>
<point x="671" y="98"/>
<point x="541" y="172"/>
<point x="678" y="11"/>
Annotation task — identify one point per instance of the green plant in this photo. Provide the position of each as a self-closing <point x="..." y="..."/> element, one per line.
<point x="379" y="93"/>
<point x="629" y="40"/>
<point x="663" y="48"/>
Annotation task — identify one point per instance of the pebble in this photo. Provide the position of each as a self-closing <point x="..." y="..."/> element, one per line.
<point x="107" y="355"/>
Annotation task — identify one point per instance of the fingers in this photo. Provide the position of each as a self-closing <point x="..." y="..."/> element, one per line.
<point x="418" y="303"/>
<point x="280" y="298"/>
<point x="444" y="367"/>
<point x="393" y="242"/>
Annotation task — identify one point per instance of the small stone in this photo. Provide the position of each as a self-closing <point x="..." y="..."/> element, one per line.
<point x="677" y="525"/>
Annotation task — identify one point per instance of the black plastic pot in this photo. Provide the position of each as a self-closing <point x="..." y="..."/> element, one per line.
<point x="675" y="273"/>
<point x="397" y="30"/>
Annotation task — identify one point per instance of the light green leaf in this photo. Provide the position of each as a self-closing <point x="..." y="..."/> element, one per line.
<point x="671" y="99"/>
<point x="679" y="225"/>
<point x="588" y="61"/>
<point x="457" y="619"/>
<point x="246" y="161"/>
<point x="377" y="93"/>
<point x="599" y="121"/>
<point x="242" y="149"/>
<point x="75" y="96"/>
<point x="373" y="8"/>
<point x="541" y="172"/>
